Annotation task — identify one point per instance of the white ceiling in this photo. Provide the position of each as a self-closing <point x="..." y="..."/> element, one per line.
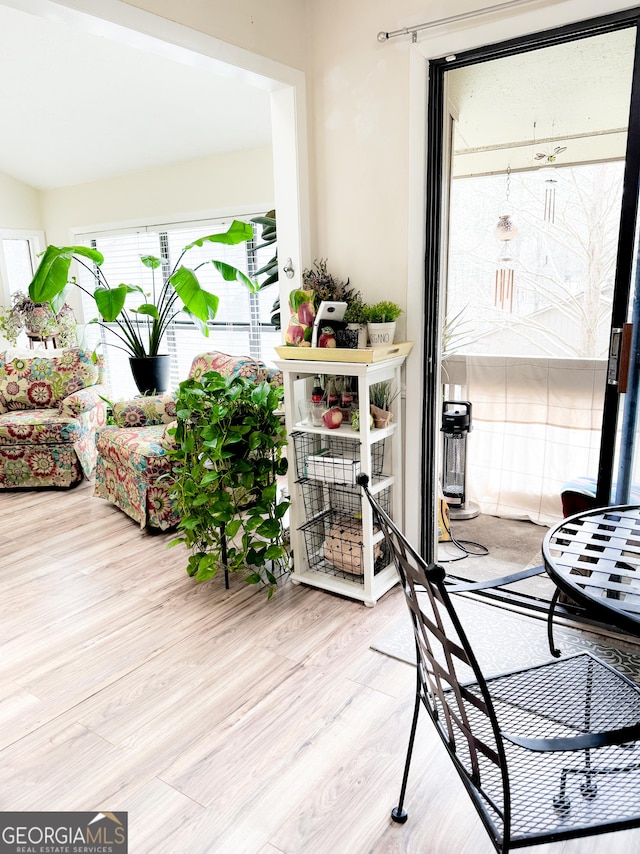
<point x="574" y="95"/>
<point x="76" y="107"/>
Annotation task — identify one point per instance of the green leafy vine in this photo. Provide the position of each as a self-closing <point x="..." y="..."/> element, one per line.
<point x="228" y="454"/>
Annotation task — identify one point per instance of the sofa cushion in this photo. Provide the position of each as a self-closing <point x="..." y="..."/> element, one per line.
<point x="228" y="366"/>
<point x="37" y="427"/>
<point x="42" y="382"/>
<point x="145" y="411"/>
<point x="138" y="449"/>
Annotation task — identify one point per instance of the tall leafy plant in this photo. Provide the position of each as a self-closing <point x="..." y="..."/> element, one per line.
<point x="141" y="329"/>
<point x="269" y="237"/>
<point x="227" y="458"/>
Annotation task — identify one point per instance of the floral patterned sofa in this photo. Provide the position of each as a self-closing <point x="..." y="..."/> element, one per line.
<point x="133" y="470"/>
<point x="50" y="407"/>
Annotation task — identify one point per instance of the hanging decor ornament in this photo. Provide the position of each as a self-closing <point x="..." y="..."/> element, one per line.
<point x="504" y="232"/>
<point x="550" y="181"/>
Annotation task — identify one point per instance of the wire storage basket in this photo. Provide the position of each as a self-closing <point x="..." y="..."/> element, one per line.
<point x="332" y="459"/>
<point x="334" y="537"/>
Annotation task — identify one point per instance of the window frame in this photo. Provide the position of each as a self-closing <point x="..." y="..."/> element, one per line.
<point x="36" y="241"/>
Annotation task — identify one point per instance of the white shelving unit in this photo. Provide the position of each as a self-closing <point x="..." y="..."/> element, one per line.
<point x="335" y="545"/>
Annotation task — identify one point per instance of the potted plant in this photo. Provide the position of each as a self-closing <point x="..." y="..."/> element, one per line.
<point x="381" y="322"/>
<point x="38" y="319"/>
<point x="140" y="330"/>
<point x="381" y="396"/>
<point x="10" y="325"/>
<point x="318" y="285"/>
<point x="325" y="286"/>
<point x="356" y="321"/>
<point x="269" y="236"/>
<point x="228" y="449"/>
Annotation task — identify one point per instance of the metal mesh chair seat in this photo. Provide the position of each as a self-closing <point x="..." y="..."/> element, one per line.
<point x="557" y="791"/>
<point x="547" y="752"/>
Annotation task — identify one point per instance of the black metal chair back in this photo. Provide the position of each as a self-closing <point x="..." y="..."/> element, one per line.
<point x="522" y="742"/>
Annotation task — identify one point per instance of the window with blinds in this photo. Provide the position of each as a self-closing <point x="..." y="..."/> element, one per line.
<point x="18" y="261"/>
<point x="242" y="324"/>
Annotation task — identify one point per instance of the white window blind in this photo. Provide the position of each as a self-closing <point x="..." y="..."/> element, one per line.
<point x="241" y="326"/>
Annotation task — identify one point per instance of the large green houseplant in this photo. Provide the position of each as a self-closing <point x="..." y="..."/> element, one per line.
<point x="227" y="454"/>
<point x="139" y="330"/>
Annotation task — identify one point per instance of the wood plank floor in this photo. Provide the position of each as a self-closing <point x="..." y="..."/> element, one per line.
<point x="222" y="722"/>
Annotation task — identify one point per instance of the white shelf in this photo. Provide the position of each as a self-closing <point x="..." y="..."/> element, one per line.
<point x="384" y="581"/>
<point x="335" y="547"/>
<point x="376" y="434"/>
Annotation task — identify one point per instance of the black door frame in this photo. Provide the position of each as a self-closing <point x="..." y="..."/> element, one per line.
<point x="434" y="201"/>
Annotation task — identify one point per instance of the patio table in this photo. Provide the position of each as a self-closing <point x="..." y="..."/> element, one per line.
<point x="594" y="558"/>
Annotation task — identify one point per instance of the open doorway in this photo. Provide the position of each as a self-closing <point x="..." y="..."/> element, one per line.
<point x="529" y="130"/>
<point x="536" y="180"/>
<point x="165" y="124"/>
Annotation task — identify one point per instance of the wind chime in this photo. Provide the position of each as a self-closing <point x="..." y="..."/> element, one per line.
<point x="550" y="182"/>
<point x="505" y="231"/>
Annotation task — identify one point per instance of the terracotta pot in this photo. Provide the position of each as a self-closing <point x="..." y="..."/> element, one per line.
<point x="381" y="417"/>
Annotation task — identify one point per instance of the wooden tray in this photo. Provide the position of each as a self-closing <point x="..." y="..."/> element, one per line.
<point x="344" y="354"/>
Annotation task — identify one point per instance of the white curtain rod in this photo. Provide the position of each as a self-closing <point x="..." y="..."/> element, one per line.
<point x="463" y="16"/>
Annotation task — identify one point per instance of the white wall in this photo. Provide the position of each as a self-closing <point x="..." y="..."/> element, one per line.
<point x="276" y="29"/>
<point x="19" y="205"/>
<point x="360" y="104"/>
<point x="239" y="182"/>
<point x="365" y="129"/>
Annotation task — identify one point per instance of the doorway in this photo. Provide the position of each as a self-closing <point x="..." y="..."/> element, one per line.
<point x="509" y="135"/>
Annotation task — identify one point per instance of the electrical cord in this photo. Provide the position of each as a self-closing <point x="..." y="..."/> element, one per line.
<point x="465" y="546"/>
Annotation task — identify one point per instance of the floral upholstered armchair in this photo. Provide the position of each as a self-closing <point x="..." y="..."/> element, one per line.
<point x="50" y="408"/>
<point x="133" y="470"/>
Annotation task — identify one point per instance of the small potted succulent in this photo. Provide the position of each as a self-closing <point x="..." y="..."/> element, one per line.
<point x="381" y="322"/>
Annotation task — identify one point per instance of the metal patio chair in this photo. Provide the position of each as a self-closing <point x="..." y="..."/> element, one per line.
<point x="547" y="752"/>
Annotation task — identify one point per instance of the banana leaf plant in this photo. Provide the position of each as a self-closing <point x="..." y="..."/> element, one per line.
<point x="269" y="236"/>
<point x="140" y="330"/>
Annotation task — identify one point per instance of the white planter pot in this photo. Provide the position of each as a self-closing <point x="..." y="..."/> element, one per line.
<point x="381" y="334"/>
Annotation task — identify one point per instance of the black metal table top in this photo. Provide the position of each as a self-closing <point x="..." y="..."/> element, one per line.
<point x="594" y="557"/>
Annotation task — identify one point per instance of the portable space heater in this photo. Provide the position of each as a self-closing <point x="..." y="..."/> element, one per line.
<point x="456" y="424"/>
